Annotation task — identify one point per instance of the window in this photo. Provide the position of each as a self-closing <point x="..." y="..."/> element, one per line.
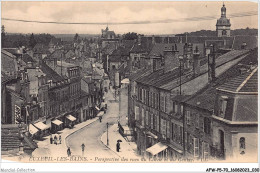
<point x="181" y="109"/>
<point x="147" y="118"/>
<point x="158" y="123"/>
<point x="143" y="117"/>
<point x="144" y="95"/>
<point x="175" y="107"/>
<point x="188" y="117"/>
<point x="197" y="120"/>
<point x="196" y="147"/>
<point x="223" y="106"/>
<point x="136" y="113"/>
<point x="147" y="97"/>
<point x="242" y="143"/>
<point x="165" y="104"/>
<point x="207" y="125"/>
<point x="158" y="101"/>
<point x="186" y="139"/>
<point x="152" y="121"/>
<point x="168" y="130"/>
<point x="162" y="103"/>
<point x="154" y="100"/>
<point x="163" y="127"/>
<point x="205" y="150"/>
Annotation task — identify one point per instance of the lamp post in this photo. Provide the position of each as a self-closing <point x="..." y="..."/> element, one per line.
<point x="107" y="135"/>
<point x="180" y="59"/>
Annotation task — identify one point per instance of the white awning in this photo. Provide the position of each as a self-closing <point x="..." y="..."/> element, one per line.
<point x="152" y="135"/>
<point x="57" y="122"/>
<point x="71" y="118"/>
<point x="100" y="114"/>
<point x="126" y="80"/>
<point x="41" y="126"/>
<point x="157" y="148"/>
<point x="97" y="108"/>
<point x="32" y="129"/>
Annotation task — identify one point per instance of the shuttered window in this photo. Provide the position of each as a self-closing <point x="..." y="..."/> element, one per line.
<point x="197" y="120"/>
<point x="137" y="113"/>
<point x="168" y="130"/>
<point x="152" y="121"/>
<point x="143" y="119"/>
<point x="188" y="117"/>
<point x="158" y="123"/>
<point x="223" y="106"/>
<point x="196" y="147"/>
<point x="147" y="118"/>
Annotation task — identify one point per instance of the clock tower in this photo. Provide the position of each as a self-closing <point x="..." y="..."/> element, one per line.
<point x="223" y="24"/>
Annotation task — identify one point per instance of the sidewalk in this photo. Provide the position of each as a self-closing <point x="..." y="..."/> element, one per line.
<point x="128" y="149"/>
<point x="47" y="149"/>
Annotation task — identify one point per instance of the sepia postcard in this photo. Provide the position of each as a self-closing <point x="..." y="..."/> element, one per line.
<point x="129" y="82"/>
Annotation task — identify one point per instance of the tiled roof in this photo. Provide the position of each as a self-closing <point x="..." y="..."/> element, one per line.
<point x="5" y="78"/>
<point x="109" y="48"/>
<point x="118" y="53"/>
<point x="251" y="41"/>
<point x="181" y="98"/>
<point x="7" y="53"/>
<point x="50" y="73"/>
<point x="41" y="49"/>
<point x="243" y="83"/>
<point x="10" y="138"/>
<point x="139" y="74"/>
<point x="205" y="97"/>
<point x="27" y="58"/>
<point x="128" y="43"/>
<point x="139" y="48"/>
<point x="158" y="49"/>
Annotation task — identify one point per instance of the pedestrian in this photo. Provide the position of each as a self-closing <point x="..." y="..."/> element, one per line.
<point x="68" y="152"/>
<point x="60" y="138"/>
<point x="51" y="139"/>
<point x="55" y="139"/>
<point x="83" y="148"/>
<point x="100" y="118"/>
<point x="117" y="146"/>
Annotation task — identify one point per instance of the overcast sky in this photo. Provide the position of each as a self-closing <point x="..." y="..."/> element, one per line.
<point x="107" y="12"/>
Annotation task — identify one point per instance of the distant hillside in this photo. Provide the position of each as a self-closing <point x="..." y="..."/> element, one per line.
<point x="209" y="33"/>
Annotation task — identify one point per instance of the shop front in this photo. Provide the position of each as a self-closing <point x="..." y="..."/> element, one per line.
<point x="34" y="132"/>
<point x="70" y="121"/>
<point x="43" y="128"/>
<point x="157" y="151"/>
<point x="56" y="125"/>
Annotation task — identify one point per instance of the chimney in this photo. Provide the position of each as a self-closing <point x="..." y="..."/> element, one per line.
<point x="196" y="62"/>
<point x="139" y="39"/>
<point x="170" y="58"/>
<point x="211" y="64"/>
<point x="153" y="40"/>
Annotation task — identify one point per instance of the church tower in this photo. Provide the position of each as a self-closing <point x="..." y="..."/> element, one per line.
<point x="223" y="24"/>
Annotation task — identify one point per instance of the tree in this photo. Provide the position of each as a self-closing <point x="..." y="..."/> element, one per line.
<point x="32" y="41"/>
<point x="3" y="35"/>
<point x="76" y="37"/>
<point x="130" y="36"/>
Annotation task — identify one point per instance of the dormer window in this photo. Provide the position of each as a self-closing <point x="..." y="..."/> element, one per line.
<point x="223" y="106"/>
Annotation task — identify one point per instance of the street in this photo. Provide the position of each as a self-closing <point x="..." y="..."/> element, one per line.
<point x="91" y="134"/>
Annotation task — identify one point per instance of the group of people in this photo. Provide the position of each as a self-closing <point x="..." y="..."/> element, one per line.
<point x="82" y="149"/>
<point x="55" y="140"/>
